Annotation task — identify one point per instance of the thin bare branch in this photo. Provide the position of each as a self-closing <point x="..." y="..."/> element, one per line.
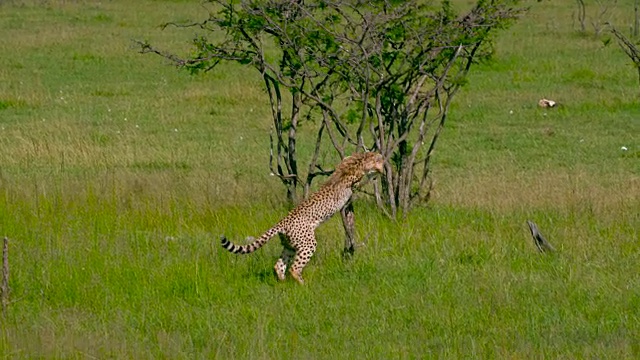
<point x="314" y="160"/>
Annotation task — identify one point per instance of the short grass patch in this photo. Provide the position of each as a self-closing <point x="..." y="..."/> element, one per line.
<point x="118" y="174"/>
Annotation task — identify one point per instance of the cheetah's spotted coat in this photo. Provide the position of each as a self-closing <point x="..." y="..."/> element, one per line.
<point x="297" y="230"/>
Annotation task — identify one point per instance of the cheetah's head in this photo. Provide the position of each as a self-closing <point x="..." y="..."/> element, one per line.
<point x="362" y="164"/>
<point x="372" y="162"/>
<point x="353" y="168"/>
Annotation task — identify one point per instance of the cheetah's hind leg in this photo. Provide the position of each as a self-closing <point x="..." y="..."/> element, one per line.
<point x="303" y="255"/>
<point x="285" y="257"/>
<point x="283" y="262"/>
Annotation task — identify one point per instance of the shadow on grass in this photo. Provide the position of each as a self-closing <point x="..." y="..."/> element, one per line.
<point x="265" y="276"/>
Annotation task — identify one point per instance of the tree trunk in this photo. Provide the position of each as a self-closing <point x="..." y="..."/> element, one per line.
<point x="348" y="221"/>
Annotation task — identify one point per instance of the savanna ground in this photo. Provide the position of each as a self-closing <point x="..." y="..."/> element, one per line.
<point x="118" y="173"/>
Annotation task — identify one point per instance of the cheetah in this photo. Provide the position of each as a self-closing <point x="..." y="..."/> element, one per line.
<point x="297" y="229"/>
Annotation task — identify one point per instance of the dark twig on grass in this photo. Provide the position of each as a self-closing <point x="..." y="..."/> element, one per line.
<point x="541" y="243"/>
<point x="4" y="287"/>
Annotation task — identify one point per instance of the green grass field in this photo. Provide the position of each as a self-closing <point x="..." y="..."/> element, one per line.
<point x="118" y="173"/>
